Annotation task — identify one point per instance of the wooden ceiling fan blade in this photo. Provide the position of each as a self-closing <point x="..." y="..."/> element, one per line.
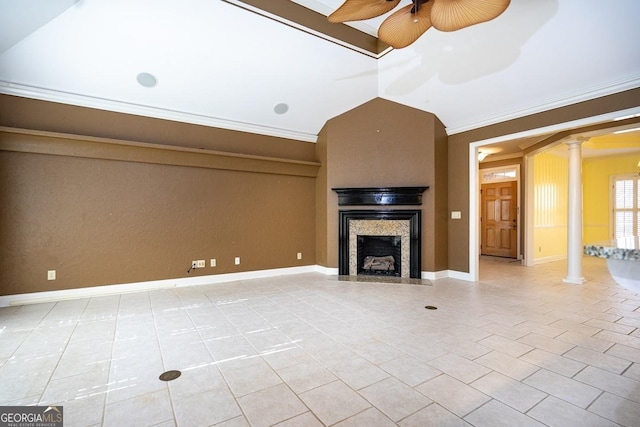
<point x="452" y="15"/>
<point x="403" y="27"/>
<point x="358" y="10"/>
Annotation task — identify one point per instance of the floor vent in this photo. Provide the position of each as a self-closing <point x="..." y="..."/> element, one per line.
<point x="170" y="375"/>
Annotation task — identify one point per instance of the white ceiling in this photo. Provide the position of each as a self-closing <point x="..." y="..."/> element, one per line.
<point x="221" y="65"/>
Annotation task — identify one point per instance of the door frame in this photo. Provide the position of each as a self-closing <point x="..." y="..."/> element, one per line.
<point x="481" y="173"/>
<point x="474" y="183"/>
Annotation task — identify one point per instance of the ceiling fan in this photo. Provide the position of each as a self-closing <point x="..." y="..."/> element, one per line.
<point x="407" y="24"/>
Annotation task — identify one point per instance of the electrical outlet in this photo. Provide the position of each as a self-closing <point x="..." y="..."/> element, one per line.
<point x="213" y="262"/>
<point x="237" y="260"/>
<point x="299" y="255"/>
<point x="201" y="263"/>
<point x="51" y="275"/>
<point x="194" y="264"/>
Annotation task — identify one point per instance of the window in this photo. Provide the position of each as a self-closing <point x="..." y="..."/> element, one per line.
<point x="626" y="205"/>
<point x="498" y="175"/>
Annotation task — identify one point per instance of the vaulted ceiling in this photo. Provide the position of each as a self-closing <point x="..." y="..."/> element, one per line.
<point x="231" y="64"/>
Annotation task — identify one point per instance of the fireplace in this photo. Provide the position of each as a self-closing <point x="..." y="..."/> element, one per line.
<point x="380" y="242"/>
<point x="393" y="233"/>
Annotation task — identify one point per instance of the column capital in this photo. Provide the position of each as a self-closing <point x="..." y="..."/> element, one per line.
<point x="577" y="140"/>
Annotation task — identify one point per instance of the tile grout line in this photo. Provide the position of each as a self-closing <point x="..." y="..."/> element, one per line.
<point x="113" y="341"/>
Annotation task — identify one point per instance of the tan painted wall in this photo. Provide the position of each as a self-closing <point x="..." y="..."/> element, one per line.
<point x="111" y="211"/>
<point x="168" y="209"/>
<point x="458" y="197"/>
<point x="321" y="196"/>
<point x="25" y="113"/>
<point x="440" y="194"/>
<point x="384" y="144"/>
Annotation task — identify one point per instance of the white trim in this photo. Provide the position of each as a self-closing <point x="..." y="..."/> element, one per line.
<point x="612" y="202"/>
<point x="632" y="82"/>
<point x="474" y="213"/>
<point x="98" y="291"/>
<point x="434" y="275"/>
<point x="576" y="281"/>
<point x="551" y="258"/>
<point x="154" y="285"/>
<point x="474" y="185"/>
<point x="459" y="275"/>
<point x="607" y="117"/>
<point x="95" y="291"/>
<point x="43" y="94"/>
<point x="328" y="271"/>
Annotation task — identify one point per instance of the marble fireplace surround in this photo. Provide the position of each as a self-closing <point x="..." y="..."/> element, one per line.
<point x="403" y="223"/>
<point x="379" y="227"/>
<point x="386" y="222"/>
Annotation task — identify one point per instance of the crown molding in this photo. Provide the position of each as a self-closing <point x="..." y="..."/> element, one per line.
<point x="633" y="82"/>
<point x="43" y="94"/>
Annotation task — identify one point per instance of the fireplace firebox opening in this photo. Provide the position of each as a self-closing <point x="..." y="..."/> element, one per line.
<point x="380" y="255"/>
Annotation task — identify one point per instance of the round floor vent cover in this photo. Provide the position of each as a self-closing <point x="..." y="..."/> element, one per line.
<point x="170" y="375"/>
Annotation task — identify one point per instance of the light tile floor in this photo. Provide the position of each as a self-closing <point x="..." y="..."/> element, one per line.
<point x="518" y="348"/>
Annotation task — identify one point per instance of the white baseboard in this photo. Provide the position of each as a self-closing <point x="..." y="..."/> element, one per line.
<point x="547" y="259"/>
<point x="327" y="270"/>
<point x="447" y="274"/>
<point x="460" y="275"/>
<point x="434" y="275"/>
<point x="106" y="290"/>
<point x="97" y="291"/>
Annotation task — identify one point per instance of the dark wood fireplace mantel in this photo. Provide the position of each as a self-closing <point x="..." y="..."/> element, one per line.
<point x="375" y="196"/>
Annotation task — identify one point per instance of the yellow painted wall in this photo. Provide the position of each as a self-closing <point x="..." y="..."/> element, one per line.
<point x="596" y="173"/>
<point x="550" y="178"/>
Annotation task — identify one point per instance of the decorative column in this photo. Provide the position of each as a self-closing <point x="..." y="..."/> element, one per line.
<point x="574" y="224"/>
